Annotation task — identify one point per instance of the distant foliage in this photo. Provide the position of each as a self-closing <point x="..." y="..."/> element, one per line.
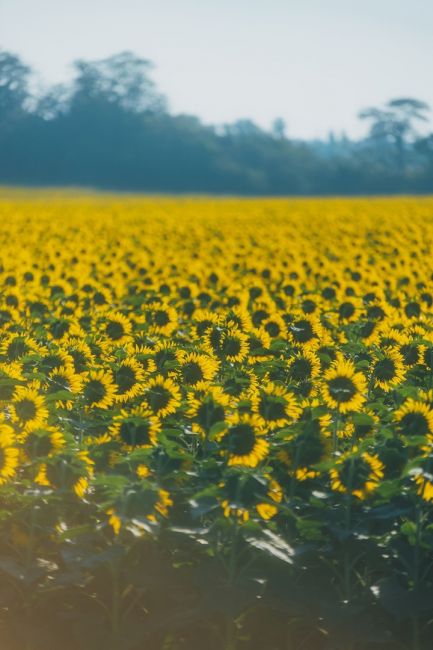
<point x="111" y="128"/>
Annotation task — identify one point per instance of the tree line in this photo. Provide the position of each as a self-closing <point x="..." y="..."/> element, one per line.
<point x="110" y="128"/>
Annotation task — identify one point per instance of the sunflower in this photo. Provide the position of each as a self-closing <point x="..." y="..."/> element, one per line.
<point x="8" y="454"/>
<point x="144" y="356"/>
<point x="64" y="379"/>
<point x="388" y="369"/>
<point x="42" y="441"/>
<point x="28" y="407"/>
<point x="67" y="471"/>
<point x="266" y="509"/>
<point x="10" y="376"/>
<point x="304" y="366"/>
<point x="244" y="495"/>
<point x="259" y="343"/>
<point x="344" y="388"/>
<point x="203" y="319"/>
<point x="17" y="346"/>
<point x="162" y="396"/>
<point x="423" y="475"/>
<point x="207" y="409"/>
<point x="80" y="353"/>
<point x="116" y="328"/>
<point x="242" y="441"/>
<point x="141" y="503"/>
<point x="275" y="406"/>
<point x="305" y="331"/>
<point x="99" y="391"/>
<point x="234" y="345"/>
<point x="414" y="418"/>
<point x="137" y="428"/>
<point x="162" y="319"/>
<point x="195" y="368"/>
<point x="273" y="324"/>
<point x="128" y="376"/>
<point x="356" y="473"/>
<point x="301" y="453"/>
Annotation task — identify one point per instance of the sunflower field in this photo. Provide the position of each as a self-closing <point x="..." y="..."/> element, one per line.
<point x="216" y="423"/>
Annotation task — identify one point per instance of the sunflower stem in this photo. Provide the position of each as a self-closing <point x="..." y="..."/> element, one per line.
<point x="335" y="431"/>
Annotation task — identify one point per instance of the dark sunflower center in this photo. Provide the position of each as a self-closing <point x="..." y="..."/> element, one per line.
<point x="346" y="310"/>
<point x="114" y="330"/>
<point x="203" y="326"/>
<point x="209" y="413"/>
<point x="158" y="397"/>
<point x="308" y="448"/>
<point x="341" y="389"/>
<point x="410" y="354"/>
<point x="415" y="424"/>
<point x="272" y="408"/>
<point x="79" y="359"/>
<point x="7" y="388"/>
<point x="52" y="361"/>
<point x="16" y="349"/>
<point x="38" y="445"/>
<point x="135" y="434"/>
<point x="59" y="329"/>
<point x="25" y="409"/>
<point x="367" y="329"/>
<point x="300" y="369"/>
<point x="2" y="459"/>
<point x="302" y="331"/>
<point x="385" y="370"/>
<point x="192" y="372"/>
<point x="272" y="328"/>
<point x="125" y="379"/>
<point x="161" y="318"/>
<point x="94" y="391"/>
<point x="231" y="346"/>
<point x="241" y="439"/>
<point x="58" y="383"/>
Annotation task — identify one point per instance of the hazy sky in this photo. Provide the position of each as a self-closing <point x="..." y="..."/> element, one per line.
<point x="313" y="62"/>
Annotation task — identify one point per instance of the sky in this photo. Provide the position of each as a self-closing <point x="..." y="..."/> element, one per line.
<point x="315" y="63"/>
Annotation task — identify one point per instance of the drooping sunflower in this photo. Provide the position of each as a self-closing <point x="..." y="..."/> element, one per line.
<point x="388" y="369"/>
<point x="244" y="496"/>
<point x="142" y="503"/>
<point x="243" y="442"/>
<point x="137" y="428"/>
<point x="99" y="391"/>
<point x="344" y="388"/>
<point x="162" y="395"/>
<point x="356" y="473"/>
<point x="67" y="472"/>
<point x="414" y="418"/>
<point x="9" y="454"/>
<point x="28" y="407"/>
<point x="423" y="474"/>
<point x="275" y="406"/>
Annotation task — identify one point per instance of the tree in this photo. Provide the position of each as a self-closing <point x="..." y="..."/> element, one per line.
<point x="394" y="125"/>
<point x="279" y="128"/>
<point x="121" y="80"/>
<point x="14" y="76"/>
